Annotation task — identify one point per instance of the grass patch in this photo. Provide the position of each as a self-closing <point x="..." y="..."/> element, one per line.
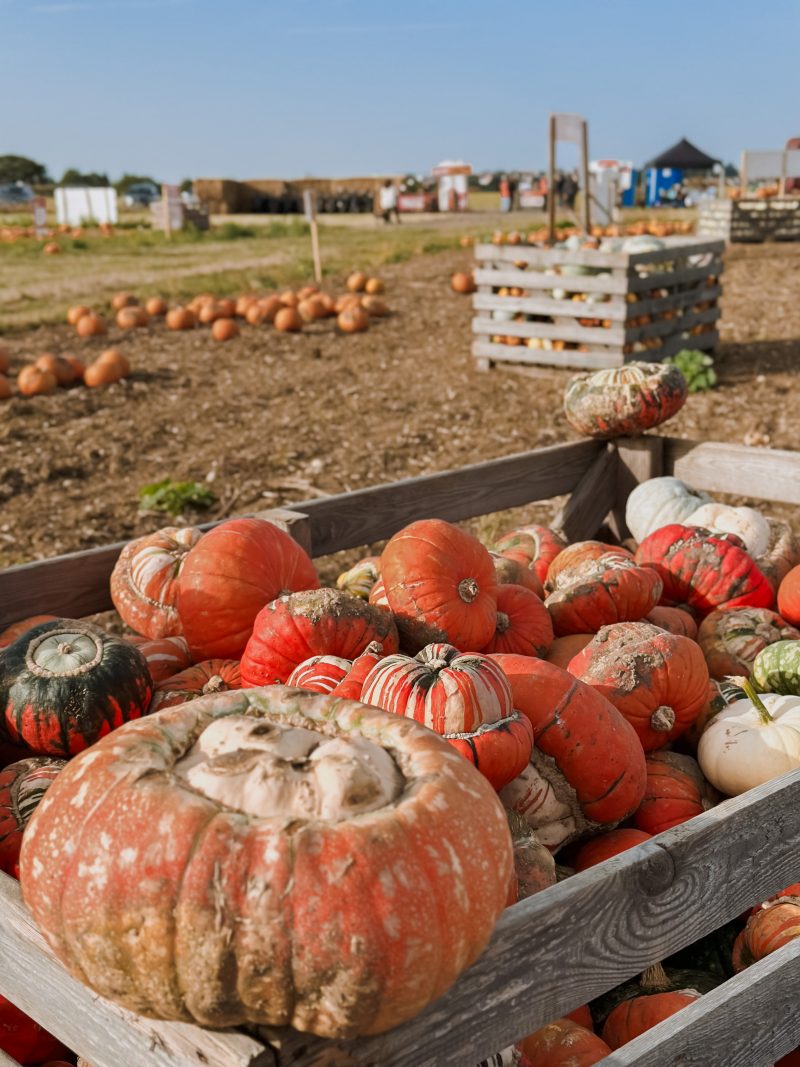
<point x="232" y="231"/>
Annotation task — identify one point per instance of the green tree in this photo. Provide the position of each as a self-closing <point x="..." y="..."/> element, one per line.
<point x="21" y="169"/>
<point x="187" y="185"/>
<point x="72" y="176"/>
<point x="127" y="180"/>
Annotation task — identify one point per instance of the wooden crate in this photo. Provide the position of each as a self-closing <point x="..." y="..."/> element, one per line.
<point x="559" y="948"/>
<point x="753" y="221"/>
<point x="637" y="305"/>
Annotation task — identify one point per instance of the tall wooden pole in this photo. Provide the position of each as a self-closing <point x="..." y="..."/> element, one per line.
<point x="585" y="213"/>
<point x="551" y="184"/>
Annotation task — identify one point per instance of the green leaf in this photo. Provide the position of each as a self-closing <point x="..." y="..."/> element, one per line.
<point x="174" y="497"/>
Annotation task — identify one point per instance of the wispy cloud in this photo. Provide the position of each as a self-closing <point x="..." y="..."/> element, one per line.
<point x="398" y="27"/>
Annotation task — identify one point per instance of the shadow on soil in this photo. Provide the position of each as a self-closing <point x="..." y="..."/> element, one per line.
<point x="740" y="362"/>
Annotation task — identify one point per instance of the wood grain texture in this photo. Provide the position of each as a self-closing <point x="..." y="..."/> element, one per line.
<point x="557" y="331"/>
<point x="615" y="309"/>
<point x="609" y="357"/>
<point x="669" y="278"/>
<point x="640" y="458"/>
<point x="761" y="473"/>
<point x="749" y="1021"/>
<point x="537" y="280"/>
<point x="566" y="945"/>
<point x="77" y="584"/>
<point x="104" y="1034"/>
<point x="591" y="500"/>
<point x="367" y="515"/>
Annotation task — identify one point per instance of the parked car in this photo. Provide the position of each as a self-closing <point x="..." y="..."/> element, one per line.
<point x="15" y="193"/>
<point x="141" y="194"/>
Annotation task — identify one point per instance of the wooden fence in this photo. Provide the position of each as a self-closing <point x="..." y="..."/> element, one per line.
<point x="751" y="221"/>
<point x="555" y="950"/>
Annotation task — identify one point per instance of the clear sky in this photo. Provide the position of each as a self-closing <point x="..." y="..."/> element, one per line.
<point x="242" y="88"/>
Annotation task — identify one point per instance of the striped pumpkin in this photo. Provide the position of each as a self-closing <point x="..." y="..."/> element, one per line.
<point x="320" y="674"/>
<point x="533" y="546"/>
<point x="165" y="656"/>
<point x="353" y="682"/>
<point x="447" y="691"/>
<point x="22" y="786"/>
<point x="144" y="582"/>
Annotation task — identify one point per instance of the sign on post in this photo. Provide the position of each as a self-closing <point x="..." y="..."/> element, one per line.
<point x="172" y="208"/>
<point x="310" y="212"/>
<point x="566" y="127"/>
<point x="40" y="215"/>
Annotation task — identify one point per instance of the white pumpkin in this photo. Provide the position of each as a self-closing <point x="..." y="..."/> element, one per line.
<point x="745" y="745"/>
<point x="746" y="523"/>
<point x="643" y="243"/>
<point x="660" y="502"/>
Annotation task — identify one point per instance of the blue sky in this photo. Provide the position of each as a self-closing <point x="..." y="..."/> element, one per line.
<point x="190" y="88"/>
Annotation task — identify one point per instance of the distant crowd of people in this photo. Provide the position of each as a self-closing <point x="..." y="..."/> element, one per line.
<point x="566" y="189"/>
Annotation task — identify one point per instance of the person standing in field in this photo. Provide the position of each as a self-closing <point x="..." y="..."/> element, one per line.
<point x="505" y="194"/>
<point x="388" y="202"/>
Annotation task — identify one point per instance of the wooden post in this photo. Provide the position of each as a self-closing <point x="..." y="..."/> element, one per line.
<point x="782" y="184"/>
<point x="165" y="209"/>
<point x="551" y="184"/>
<point x="310" y="211"/>
<point x="585" y="206"/>
<point x="743" y="175"/>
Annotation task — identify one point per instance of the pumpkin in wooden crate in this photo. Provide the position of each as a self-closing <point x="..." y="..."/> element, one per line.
<point x="534" y="866"/>
<point x="17" y="629"/>
<point x="510" y="571"/>
<point x="636" y="1016"/>
<point x="751" y="741"/>
<point x="611" y="589"/>
<point x="673" y="620"/>
<point x="660" y="502"/>
<point x="587" y="769"/>
<point x="771" y="926"/>
<point x="789" y="597"/>
<point x="295" y="823"/>
<point x="676" y="791"/>
<point x="464" y="697"/>
<point x="731" y="638"/>
<point x="776" y="668"/>
<point x="64" y="684"/>
<point x="533" y="546"/>
<point x="318" y="622"/>
<point x="24" y="1039"/>
<point x="22" y="786"/>
<point x="657" y="680"/>
<point x="359" y="579"/>
<point x="198" y="680"/>
<point x="144" y="582"/>
<point x="228" y="577"/>
<point x="704" y="572"/>
<point x="523" y="623"/>
<point x="440" y="584"/>
<point x="352" y="684"/>
<point x="564" y="649"/>
<point x="606" y="846"/>
<point x="783" y="553"/>
<point x="320" y="674"/>
<point x="747" y="524"/>
<point x="578" y="559"/>
<point x="563" y="1043"/>
<point x="624" y="401"/>
<point x="165" y="656"/>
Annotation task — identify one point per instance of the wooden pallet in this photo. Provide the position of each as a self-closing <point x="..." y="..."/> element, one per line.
<point x="559" y="948"/>
<point x="676" y="288"/>
<point x="751" y="221"/>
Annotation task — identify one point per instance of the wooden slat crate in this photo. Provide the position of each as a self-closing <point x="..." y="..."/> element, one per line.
<point x="555" y="950"/>
<point x="636" y="305"/>
<point x="752" y="221"/>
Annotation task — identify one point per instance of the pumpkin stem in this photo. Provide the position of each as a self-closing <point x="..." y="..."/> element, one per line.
<point x="467" y="589"/>
<point x="64" y="648"/>
<point x="215" y="684"/>
<point x="749" y="691"/>
<point x="503" y="622"/>
<point x="662" y="719"/>
<point x="655" y="979"/>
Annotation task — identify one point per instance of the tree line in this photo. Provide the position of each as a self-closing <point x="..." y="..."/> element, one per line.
<point x="22" y="169"/>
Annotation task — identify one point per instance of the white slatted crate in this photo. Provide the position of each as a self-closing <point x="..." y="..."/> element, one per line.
<point x="751" y="221"/>
<point x="591" y="309"/>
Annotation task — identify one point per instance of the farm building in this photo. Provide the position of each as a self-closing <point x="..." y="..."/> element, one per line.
<point x="225" y="196"/>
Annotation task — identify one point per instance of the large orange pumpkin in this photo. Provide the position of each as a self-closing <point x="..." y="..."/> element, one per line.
<point x="228" y="577"/>
<point x="523" y="623"/>
<point x="676" y="791"/>
<point x="181" y="318"/>
<point x="288" y="320"/>
<point x="144" y="582"/>
<point x="307" y="885"/>
<point x="564" y="1043"/>
<point x="65" y="373"/>
<point x="610" y="589"/>
<point x="440" y="583"/>
<point x="605" y="846"/>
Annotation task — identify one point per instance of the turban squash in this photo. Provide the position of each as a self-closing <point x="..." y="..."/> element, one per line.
<point x="165" y="656"/>
<point x="144" y="582"/>
<point x="624" y="401"/>
<point x="587" y="769"/>
<point x="731" y="638"/>
<point x="22" y="786"/>
<point x="334" y="674"/>
<point x="295" y="823"/>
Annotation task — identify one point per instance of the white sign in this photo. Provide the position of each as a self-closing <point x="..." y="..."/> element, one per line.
<point x="309" y="205"/>
<point x="40" y="215"/>
<point x="569" y="128"/>
<point x="76" y="205"/>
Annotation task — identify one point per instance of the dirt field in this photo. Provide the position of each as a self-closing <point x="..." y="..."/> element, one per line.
<point x="270" y="418"/>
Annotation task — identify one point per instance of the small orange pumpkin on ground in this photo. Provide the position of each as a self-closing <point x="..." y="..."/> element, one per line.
<point x="123" y="300"/>
<point x="156" y="306"/>
<point x="115" y="358"/>
<point x="224" y="330"/>
<point x="270" y="305"/>
<point x="208" y="313"/>
<point x="462" y="282"/>
<point x="244" y="303"/>
<point x="51" y="249"/>
<point x="181" y="318"/>
<point x="373" y="286"/>
<point x="357" y="281"/>
<point x="353" y="320"/>
<point x="226" y="308"/>
<point x="306" y="292"/>
<point x="255" y="315"/>
<point x="374" y="306"/>
<point x="77" y="365"/>
<point x="35" y="381"/>
<point x="288" y="320"/>
<point x="76" y="312"/>
<point x="132" y="318"/>
<point x="289" y="298"/>
<point x="311" y="309"/>
<point x="63" y="370"/>
<point x="101" y="373"/>
<point x="90" y="325"/>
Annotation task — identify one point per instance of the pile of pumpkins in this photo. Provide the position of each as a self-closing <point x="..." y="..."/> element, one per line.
<point x="288" y="311"/>
<point x="313" y="744"/>
<point x="50" y="372"/>
<point x="653" y="227"/>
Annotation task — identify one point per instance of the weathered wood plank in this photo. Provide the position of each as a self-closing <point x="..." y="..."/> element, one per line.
<point x="749" y="1021"/>
<point x="640" y="458"/>
<point x="681" y="250"/>
<point x="367" y="515"/>
<point x="669" y="279"/>
<point x="104" y="1034"/>
<point x="761" y="473"/>
<point x="549" y="257"/>
<point x="566" y="945"/>
<point x="604" y="283"/>
<point x="666" y="327"/>
<point x="76" y="584"/>
<point x="547" y="357"/>
<point x="591" y="499"/>
<point x="561" y="331"/>
<point x="615" y="308"/>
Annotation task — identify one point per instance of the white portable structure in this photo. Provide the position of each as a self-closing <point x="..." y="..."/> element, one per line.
<point x="453" y="184"/>
<point x="78" y="204"/>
